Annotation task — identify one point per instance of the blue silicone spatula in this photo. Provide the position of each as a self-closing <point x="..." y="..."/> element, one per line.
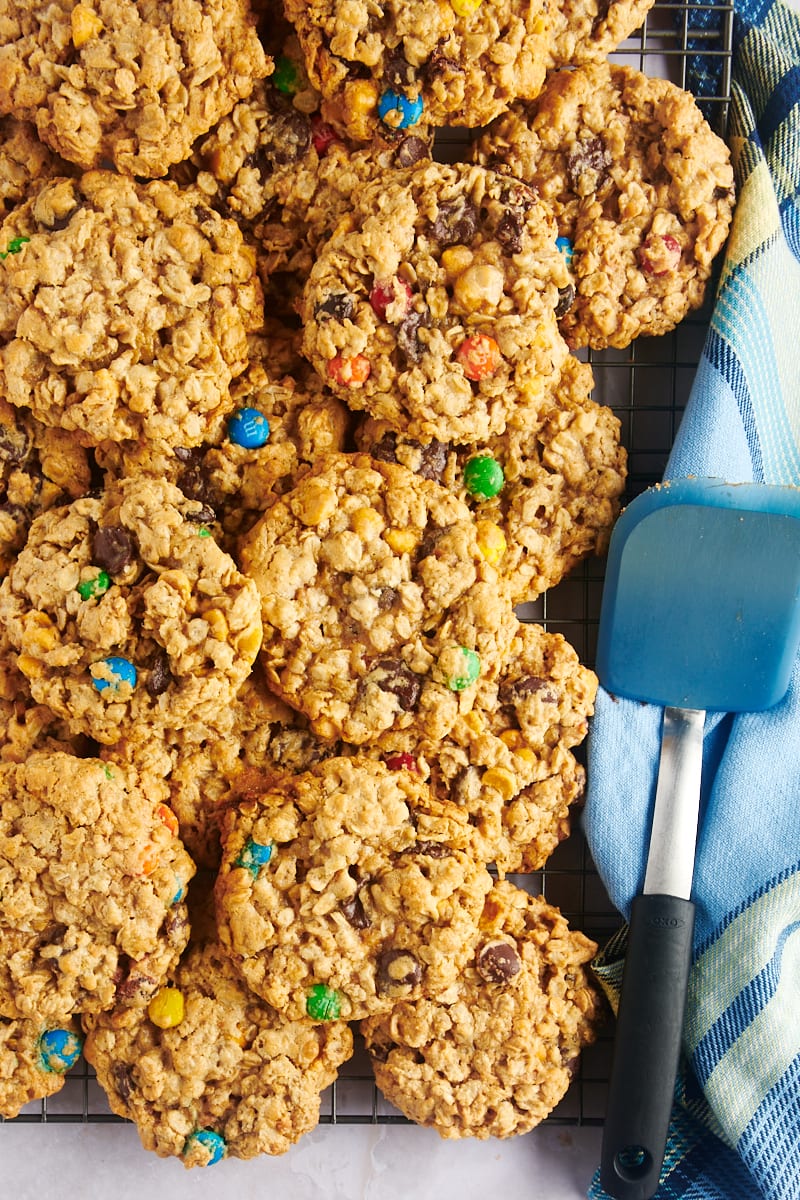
<point x="699" y="613"/>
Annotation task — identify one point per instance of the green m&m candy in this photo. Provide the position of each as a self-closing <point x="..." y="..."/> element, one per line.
<point x="323" y="1003"/>
<point x="93" y="587"/>
<point x="469" y="668"/>
<point x="483" y="476"/>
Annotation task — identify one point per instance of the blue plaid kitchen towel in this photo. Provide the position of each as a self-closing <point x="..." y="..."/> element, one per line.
<point x="735" y="1133"/>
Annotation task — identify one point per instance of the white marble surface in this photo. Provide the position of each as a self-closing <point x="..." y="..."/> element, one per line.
<point x="96" y="1162"/>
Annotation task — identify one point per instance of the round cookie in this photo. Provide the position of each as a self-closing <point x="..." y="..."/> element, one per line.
<point x="346" y="888"/>
<point x="132" y="82"/>
<point x="34" y="1058"/>
<point x="124" y="309"/>
<point x="198" y="771"/>
<point x="638" y="183"/>
<point x="433" y="306"/>
<point x="494" y="1054"/>
<point x="545" y="493"/>
<point x="93" y="877"/>
<point x="24" y="162"/>
<point x="507" y="763"/>
<point x="589" y="30"/>
<point x="457" y="63"/>
<point x="380" y="611"/>
<point x="40" y="467"/>
<point x="25" y="725"/>
<point x="122" y="609"/>
<point x="208" y="1070"/>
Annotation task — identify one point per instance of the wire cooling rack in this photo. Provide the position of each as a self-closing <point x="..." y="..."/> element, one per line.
<point x="647" y="385"/>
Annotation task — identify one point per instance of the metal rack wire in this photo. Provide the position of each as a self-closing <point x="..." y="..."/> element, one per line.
<point x="647" y="386"/>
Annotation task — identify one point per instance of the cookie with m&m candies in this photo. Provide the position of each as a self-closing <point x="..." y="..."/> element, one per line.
<point x="34" y="1059"/>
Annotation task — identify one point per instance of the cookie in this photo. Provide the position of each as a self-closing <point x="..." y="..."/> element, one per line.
<point x="589" y="30"/>
<point x="34" y="1059"/>
<point x="456" y="63"/>
<point x="132" y="82"/>
<point x="641" y="188"/>
<point x="197" y="771"/>
<point x="380" y="610"/>
<point x="507" y="763"/>
<point x="24" y="162"/>
<point x="122" y="609"/>
<point x="25" y="725"/>
<point x="124" y="310"/>
<point x="207" y="1070"/>
<point x="346" y="888"/>
<point x="433" y="307"/>
<point x="92" y="876"/>
<point x="493" y="1055"/>
<point x="545" y="493"/>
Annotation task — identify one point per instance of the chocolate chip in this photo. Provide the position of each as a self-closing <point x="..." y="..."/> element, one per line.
<point x="201" y="516"/>
<point x="15" y="443"/>
<point x="432" y="849"/>
<point x="397" y="972"/>
<point x="393" y="676"/>
<point x="439" y="65"/>
<point x="355" y="912"/>
<point x="497" y="961"/>
<point x="387" y="598"/>
<point x="338" y="305"/>
<point x="587" y="166"/>
<point x="408" y="344"/>
<point x="433" y="460"/>
<point x="566" y="299"/>
<point x="289" y="139"/>
<point x="385" y="450"/>
<point x="113" y="548"/>
<point x="509" y="231"/>
<point x="411" y="150"/>
<point x="122" y="1075"/>
<point x="195" y="483"/>
<point x="456" y="221"/>
<point x="137" y="986"/>
<point x="160" y="676"/>
<point x="398" y="71"/>
<point x="430" y="540"/>
<point x="465" y="786"/>
<point x="514" y="690"/>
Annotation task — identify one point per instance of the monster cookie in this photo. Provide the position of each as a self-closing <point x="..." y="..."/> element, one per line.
<point x="433" y="306"/>
<point x="39" y="468"/>
<point x="380" y="610"/>
<point x="493" y="1054"/>
<point x="641" y="188"/>
<point x="122" y="609"/>
<point x="124" y="309"/>
<point x="346" y="888"/>
<point x="132" y="82"/>
<point x="197" y="771"/>
<point x="93" y="877"/>
<point x="545" y="493"/>
<point x="457" y="63"/>
<point x="507" y="763"/>
<point x="208" y="1070"/>
<point x="24" y="162"/>
<point x="34" y="1058"/>
<point x="589" y="30"/>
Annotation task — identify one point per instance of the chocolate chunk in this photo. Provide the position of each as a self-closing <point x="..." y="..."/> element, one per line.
<point x="338" y="305"/>
<point x="113" y="548"/>
<point x="387" y="598"/>
<point x="497" y="961"/>
<point x="439" y="65"/>
<point x="122" y="1075"/>
<point x="290" y="138"/>
<point x="456" y="222"/>
<point x="160" y="676"/>
<point x="393" y="676"/>
<point x="398" y="71"/>
<point x="15" y="443"/>
<point x="587" y="166"/>
<point x="136" y="987"/>
<point x="385" y="450"/>
<point x="408" y="344"/>
<point x="465" y="786"/>
<point x="355" y="912"/>
<point x="566" y="299"/>
<point x="201" y="516"/>
<point x="397" y="972"/>
<point x="433" y="460"/>
<point x="432" y="849"/>
<point x="513" y="690"/>
<point x="509" y="231"/>
<point x="411" y="150"/>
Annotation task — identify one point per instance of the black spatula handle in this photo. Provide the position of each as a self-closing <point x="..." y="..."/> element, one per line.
<point x="647" y="1045"/>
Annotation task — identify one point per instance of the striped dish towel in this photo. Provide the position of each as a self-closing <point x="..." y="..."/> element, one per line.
<point x="735" y="1132"/>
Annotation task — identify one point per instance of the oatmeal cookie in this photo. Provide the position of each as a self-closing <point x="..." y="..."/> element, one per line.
<point x="132" y="82"/>
<point x="34" y="1058"/>
<point x="507" y="763"/>
<point x="346" y="888"/>
<point x="40" y="467"/>
<point x="493" y="1054"/>
<point x="379" y="609"/>
<point x="589" y="30"/>
<point x="24" y="162"/>
<point x="124" y="309"/>
<point x="641" y="188"/>
<point x="433" y="61"/>
<point x="122" y="609"/>
<point x="545" y="493"/>
<point x="93" y="877"/>
<point x="208" y="1070"/>
<point x="433" y="305"/>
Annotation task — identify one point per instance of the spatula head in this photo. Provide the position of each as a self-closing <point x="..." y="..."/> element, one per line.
<point x="700" y="603"/>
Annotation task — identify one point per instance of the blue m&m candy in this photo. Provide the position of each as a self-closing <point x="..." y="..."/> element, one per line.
<point x="249" y="428"/>
<point x="59" y="1049"/>
<point x="397" y="111"/>
<point x="254" y="855"/>
<point x="120" y="671"/>
<point x="212" y="1143"/>
<point x="566" y="248"/>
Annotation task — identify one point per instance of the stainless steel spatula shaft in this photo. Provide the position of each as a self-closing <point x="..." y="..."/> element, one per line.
<point x="657" y="963"/>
